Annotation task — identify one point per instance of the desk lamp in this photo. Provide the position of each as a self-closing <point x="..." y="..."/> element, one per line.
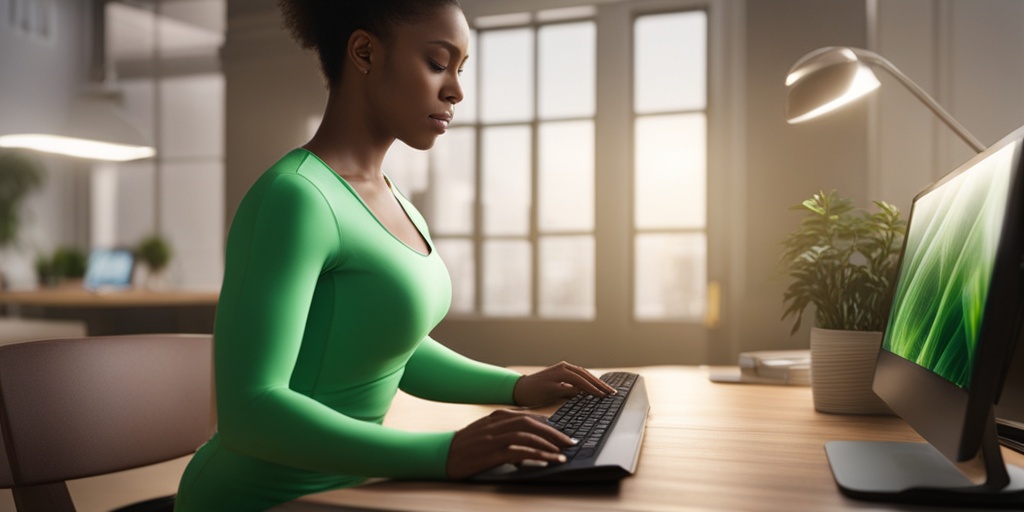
<point x="828" y="78"/>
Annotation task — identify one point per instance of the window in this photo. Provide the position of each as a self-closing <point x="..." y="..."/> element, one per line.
<point x="165" y="58"/>
<point x="670" y="165"/>
<point x="511" y="191"/>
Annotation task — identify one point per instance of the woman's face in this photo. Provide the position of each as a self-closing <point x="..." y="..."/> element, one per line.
<point x="414" y="81"/>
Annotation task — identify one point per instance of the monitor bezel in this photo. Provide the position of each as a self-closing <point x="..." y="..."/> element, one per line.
<point x="950" y="418"/>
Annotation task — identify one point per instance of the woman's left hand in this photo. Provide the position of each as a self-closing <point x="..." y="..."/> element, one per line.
<point x="562" y="380"/>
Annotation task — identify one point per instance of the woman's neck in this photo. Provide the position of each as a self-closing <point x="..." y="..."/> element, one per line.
<point x="345" y="139"/>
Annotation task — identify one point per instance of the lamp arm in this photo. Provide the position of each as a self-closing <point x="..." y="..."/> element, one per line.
<point x="882" y="62"/>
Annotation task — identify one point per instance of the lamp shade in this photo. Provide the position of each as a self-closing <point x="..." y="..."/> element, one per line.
<point x="828" y="78"/>
<point x="825" y="80"/>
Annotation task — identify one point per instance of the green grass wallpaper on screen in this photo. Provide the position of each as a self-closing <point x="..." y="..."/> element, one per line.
<point x="947" y="267"/>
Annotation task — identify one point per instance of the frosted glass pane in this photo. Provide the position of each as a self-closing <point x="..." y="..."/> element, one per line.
<point x="567" y="277"/>
<point x="507" y="270"/>
<point x="452" y="183"/>
<point x="457" y="255"/>
<point x="566" y="174"/>
<point x="671" y="171"/>
<point x="567" y="70"/>
<point x="192" y="214"/>
<point x="192" y="116"/>
<point x="466" y="110"/>
<point x="135" y="194"/>
<point x="506" y="75"/>
<point x="138" y="104"/>
<point x="671" y="276"/>
<point x="506" y="180"/>
<point x="407" y="168"/>
<point x="670" y="53"/>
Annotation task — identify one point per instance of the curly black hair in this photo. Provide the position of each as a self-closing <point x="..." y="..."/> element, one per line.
<point x="325" y="26"/>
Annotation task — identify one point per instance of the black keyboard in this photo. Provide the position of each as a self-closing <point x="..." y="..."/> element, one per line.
<point x="608" y="430"/>
<point x="587" y="418"/>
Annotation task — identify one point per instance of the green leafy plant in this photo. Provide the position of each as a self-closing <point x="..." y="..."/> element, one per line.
<point x="843" y="261"/>
<point x="155" y="252"/>
<point x="64" y="263"/>
<point x="19" y="175"/>
<point x="68" y="262"/>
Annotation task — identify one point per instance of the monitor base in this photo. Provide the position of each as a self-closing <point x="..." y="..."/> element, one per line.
<point x="914" y="473"/>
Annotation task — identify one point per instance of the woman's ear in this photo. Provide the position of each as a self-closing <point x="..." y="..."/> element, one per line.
<point x="360" y="50"/>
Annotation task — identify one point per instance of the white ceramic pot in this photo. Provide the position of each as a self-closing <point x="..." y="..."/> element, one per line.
<point x="842" y="368"/>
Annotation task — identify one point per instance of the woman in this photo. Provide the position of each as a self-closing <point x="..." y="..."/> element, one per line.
<point x="332" y="285"/>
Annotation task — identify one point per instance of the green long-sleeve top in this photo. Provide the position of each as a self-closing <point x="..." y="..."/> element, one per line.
<point x="323" y="316"/>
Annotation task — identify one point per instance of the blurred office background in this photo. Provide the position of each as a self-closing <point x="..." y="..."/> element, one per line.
<point x="613" y="190"/>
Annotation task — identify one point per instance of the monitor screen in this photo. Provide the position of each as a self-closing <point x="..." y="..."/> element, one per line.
<point x="946" y="270"/>
<point x="109" y="269"/>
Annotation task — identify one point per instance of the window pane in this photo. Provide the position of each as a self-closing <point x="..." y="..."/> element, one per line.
<point x="466" y="110"/>
<point x="192" y="116"/>
<point x="450" y="203"/>
<point x="567" y="277"/>
<point x="671" y="62"/>
<point x="506" y="180"/>
<point x="192" y="203"/>
<point x="671" y="171"/>
<point x="566" y="174"/>
<point x="566" y="67"/>
<point x="506" y="75"/>
<point x="407" y="168"/>
<point x="671" y="279"/>
<point x="507" y="270"/>
<point x="457" y="255"/>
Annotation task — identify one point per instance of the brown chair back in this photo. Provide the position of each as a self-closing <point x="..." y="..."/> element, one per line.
<point x="79" y="407"/>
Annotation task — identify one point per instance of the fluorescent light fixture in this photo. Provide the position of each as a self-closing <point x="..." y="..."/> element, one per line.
<point x="828" y="78"/>
<point x="76" y="147"/>
<point x="98" y="129"/>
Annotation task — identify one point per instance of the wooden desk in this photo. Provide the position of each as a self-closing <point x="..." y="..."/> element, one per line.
<point x="708" y="447"/>
<point x="118" y="312"/>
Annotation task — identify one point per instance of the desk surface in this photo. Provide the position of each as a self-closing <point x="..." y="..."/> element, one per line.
<point x="78" y="297"/>
<point x="708" y="446"/>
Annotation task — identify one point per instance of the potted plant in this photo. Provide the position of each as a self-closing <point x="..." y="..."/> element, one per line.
<point x="843" y="261"/>
<point x="66" y="265"/>
<point x="19" y="176"/>
<point x="155" y="253"/>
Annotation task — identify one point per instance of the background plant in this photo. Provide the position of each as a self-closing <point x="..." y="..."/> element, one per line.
<point x="19" y="175"/>
<point x="64" y="263"/>
<point x="843" y="261"/>
<point x="155" y="252"/>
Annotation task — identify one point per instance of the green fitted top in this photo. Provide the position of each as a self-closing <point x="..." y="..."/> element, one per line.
<point x="323" y="316"/>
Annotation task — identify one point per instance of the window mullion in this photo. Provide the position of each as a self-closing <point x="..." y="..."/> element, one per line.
<point x="534" y="230"/>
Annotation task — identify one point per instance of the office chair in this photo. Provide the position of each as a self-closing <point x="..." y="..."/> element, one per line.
<point x="79" y="407"/>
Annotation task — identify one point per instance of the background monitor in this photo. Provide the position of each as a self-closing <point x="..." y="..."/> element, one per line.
<point x="951" y="334"/>
<point x="109" y="269"/>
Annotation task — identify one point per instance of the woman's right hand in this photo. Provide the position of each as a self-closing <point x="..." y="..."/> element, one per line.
<point x="504" y="437"/>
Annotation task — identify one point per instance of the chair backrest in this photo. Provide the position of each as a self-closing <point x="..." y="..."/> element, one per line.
<point x="79" y="407"/>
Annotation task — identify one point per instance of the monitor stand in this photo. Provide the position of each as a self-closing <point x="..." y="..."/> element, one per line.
<point x="919" y="473"/>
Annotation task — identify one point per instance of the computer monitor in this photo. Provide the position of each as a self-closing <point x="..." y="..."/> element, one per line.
<point x="109" y="269"/>
<point x="951" y="334"/>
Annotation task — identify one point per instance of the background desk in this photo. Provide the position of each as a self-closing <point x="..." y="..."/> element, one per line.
<point x="118" y="312"/>
<point x="708" y="447"/>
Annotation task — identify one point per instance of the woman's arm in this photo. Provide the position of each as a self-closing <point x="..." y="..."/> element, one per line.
<point x="435" y="372"/>
<point x="282" y="238"/>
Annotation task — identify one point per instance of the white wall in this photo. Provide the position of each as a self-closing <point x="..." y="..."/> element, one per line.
<point x="41" y="69"/>
<point x="967" y="55"/>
